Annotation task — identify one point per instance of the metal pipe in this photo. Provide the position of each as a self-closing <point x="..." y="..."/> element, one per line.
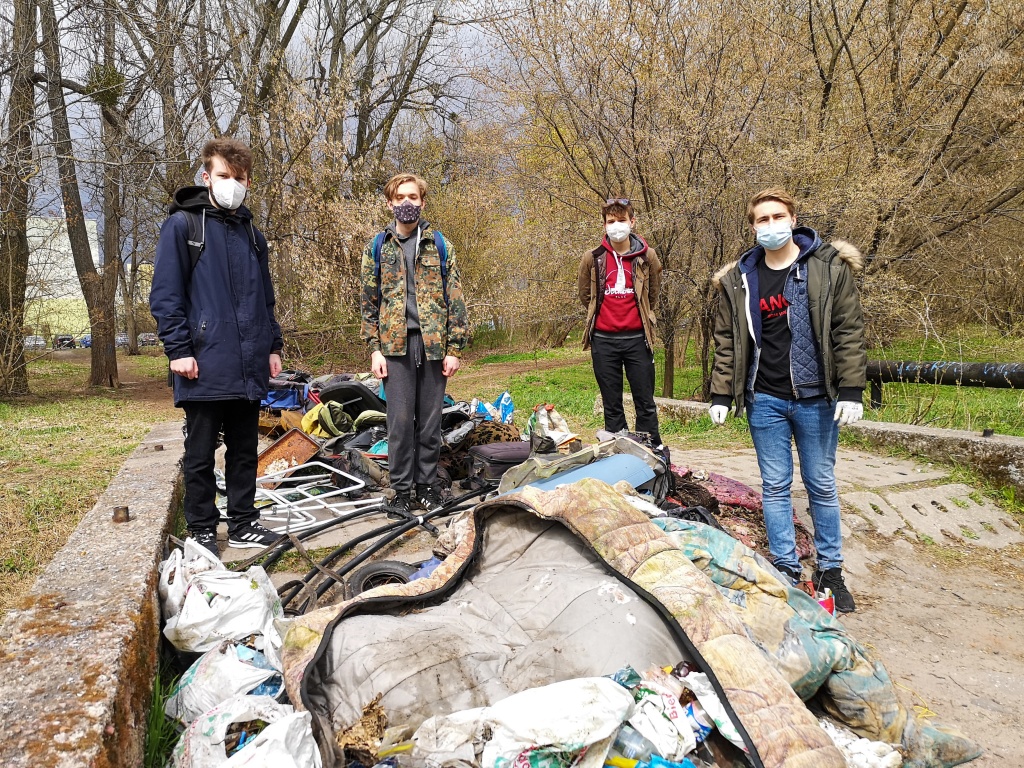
<point x="994" y="375"/>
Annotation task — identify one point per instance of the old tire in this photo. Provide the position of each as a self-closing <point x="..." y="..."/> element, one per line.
<point x="376" y="574"/>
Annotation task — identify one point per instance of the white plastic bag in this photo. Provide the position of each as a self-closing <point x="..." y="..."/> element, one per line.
<point x="222" y="605"/>
<point x="216" y="677"/>
<point x="552" y="723"/>
<point x="178" y="569"/>
<point x="660" y="719"/>
<point x="700" y="685"/>
<point x="860" y="752"/>
<point x="286" y="742"/>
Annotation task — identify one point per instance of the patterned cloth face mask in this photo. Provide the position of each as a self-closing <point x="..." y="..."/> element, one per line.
<point x="407" y="213"/>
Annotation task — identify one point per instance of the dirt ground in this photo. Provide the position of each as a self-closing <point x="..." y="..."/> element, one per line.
<point x="949" y="636"/>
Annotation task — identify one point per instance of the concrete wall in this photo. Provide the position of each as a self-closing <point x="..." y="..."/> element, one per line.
<point x="78" y="654"/>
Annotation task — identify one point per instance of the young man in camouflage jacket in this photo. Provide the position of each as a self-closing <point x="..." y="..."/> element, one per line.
<point x="415" y="323"/>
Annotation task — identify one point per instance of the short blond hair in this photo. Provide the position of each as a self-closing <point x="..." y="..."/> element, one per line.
<point x="778" y="194"/>
<point x="391" y="188"/>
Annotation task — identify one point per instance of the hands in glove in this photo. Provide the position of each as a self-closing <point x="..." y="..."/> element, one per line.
<point x="718" y="413"/>
<point x="848" y="412"/>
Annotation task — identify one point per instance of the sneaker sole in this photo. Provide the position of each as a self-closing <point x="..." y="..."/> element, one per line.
<point x="251" y="544"/>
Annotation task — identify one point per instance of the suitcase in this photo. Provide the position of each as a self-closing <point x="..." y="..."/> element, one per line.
<point x="489" y="462"/>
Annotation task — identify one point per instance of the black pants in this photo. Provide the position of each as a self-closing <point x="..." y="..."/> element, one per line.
<point x="204" y="420"/>
<point x="415" y="394"/>
<point x="611" y="353"/>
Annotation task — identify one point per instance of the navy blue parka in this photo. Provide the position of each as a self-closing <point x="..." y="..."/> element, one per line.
<point x="222" y="311"/>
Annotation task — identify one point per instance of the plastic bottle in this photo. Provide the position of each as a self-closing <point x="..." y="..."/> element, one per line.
<point x="699" y="720"/>
<point x="631" y="743"/>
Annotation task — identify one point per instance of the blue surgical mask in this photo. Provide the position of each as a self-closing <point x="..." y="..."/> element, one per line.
<point x="773" y="236"/>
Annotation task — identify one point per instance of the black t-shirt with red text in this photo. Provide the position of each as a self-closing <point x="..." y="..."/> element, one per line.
<point x="773" y="375"/>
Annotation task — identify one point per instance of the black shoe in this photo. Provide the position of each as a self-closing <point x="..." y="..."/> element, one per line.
<point x="432" y="497"/>
<point x="793" y="575"/>
<point x="252" y="535"/>
<point x="832" y="578"/>
<point x="400" y="507"/>
<point x="206" y="537"/>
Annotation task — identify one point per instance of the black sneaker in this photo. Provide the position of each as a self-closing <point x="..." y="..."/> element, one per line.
<point x="432" y="497"/>
<point x="206" y="537"/>
<point x="832" y="578"/>
<point x="793" y="575"/>
<point x="400" y="507"/>
<point x="252" y="535"/>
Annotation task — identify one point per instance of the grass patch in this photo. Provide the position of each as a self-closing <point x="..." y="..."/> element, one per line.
<point x="162" y="732"/>
<point x="292" y="562"/>
<point x="953" y="407"/>
<point x="59" y="448"/>
<point x="515" y="357"/>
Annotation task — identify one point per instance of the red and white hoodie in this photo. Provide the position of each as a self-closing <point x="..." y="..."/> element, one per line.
<point x="620" y="310"/>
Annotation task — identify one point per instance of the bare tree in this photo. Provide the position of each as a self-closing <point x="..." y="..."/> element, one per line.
<point x="17" y="167"/>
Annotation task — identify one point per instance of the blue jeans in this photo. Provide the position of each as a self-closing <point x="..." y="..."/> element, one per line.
<point x="774" y="423"/>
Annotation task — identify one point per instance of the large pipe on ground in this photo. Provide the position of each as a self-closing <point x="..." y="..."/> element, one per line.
<point x="996" y="375"/>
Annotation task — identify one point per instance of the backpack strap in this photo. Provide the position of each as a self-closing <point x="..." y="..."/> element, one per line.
<point x="442" y="251"/>
<point x="378" y="244"/>
<point x="196" y="236"/>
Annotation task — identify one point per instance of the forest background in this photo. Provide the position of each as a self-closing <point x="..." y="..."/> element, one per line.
<point x="898" y="124"/>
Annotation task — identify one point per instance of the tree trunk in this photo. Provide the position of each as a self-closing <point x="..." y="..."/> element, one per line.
<point x="98" y="300"/>
<point x="706" y="318"/>
<point x="668" y="379"/>
<point x="15" y="171"/>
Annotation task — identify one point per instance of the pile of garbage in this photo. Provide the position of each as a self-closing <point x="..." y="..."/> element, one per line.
<point x="229" y="703"/>
<point x="455" y="670"/>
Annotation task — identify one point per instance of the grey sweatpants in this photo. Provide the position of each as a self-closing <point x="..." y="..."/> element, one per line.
<point x="414" y="389"/>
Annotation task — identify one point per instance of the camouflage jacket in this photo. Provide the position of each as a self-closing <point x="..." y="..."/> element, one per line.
<point x="444" y="327"/>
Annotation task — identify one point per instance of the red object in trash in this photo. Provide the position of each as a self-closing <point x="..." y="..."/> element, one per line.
<point x="826" y="601"/>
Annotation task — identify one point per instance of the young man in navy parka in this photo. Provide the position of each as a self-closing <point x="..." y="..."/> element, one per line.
<point x="215" y="317"/>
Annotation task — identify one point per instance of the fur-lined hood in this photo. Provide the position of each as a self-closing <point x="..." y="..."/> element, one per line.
<point x="847" y="251"/>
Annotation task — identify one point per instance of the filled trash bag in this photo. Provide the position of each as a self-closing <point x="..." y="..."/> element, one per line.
<point x="226" y="671"/>
<point x="223" y="605"/>
<point x="271" y="735"/>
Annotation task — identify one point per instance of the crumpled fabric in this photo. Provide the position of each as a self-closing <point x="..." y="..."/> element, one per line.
<point x="813" y="650"/>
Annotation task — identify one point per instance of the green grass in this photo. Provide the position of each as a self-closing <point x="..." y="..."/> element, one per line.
<point x="59" y="448"/>
<point x="161" y="731"/>
<point x="953" y="407"/>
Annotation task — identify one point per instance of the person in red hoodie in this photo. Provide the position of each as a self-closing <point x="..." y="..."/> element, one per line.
<point x="619" y="283"/>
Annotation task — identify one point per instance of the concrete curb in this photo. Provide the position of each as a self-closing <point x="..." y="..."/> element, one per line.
<point x="999" y="458"/>
<point x="78" y="654"/>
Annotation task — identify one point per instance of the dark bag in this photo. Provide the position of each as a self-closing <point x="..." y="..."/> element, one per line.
<point x="489" y="462"/>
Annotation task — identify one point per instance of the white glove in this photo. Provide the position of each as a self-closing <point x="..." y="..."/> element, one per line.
<point x="718" y="413"/>
<point x="848" y="412"/>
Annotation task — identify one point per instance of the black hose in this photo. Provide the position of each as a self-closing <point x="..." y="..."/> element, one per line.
<point x="388" y="533"/>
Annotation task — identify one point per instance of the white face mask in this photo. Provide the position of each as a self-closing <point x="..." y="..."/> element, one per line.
<point x="228" y="193"/>
<point x="617" y="231"/>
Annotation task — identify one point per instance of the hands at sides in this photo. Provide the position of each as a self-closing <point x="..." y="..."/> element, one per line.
<point x="450" y="365"/>
<point x="379" y="365"/>
<point x="848" y="412"/>
<point x="185" y="366"/>
<point x="718" y="413"/>
<point x="275" y="364"/>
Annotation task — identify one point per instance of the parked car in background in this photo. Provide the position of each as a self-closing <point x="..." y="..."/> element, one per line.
<point x="86" y="341"/>
<point x="64" y="341"/>
<point x="121" y="340"/>
<point x="35" y="342"/>
<point x="148" y="340"/>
